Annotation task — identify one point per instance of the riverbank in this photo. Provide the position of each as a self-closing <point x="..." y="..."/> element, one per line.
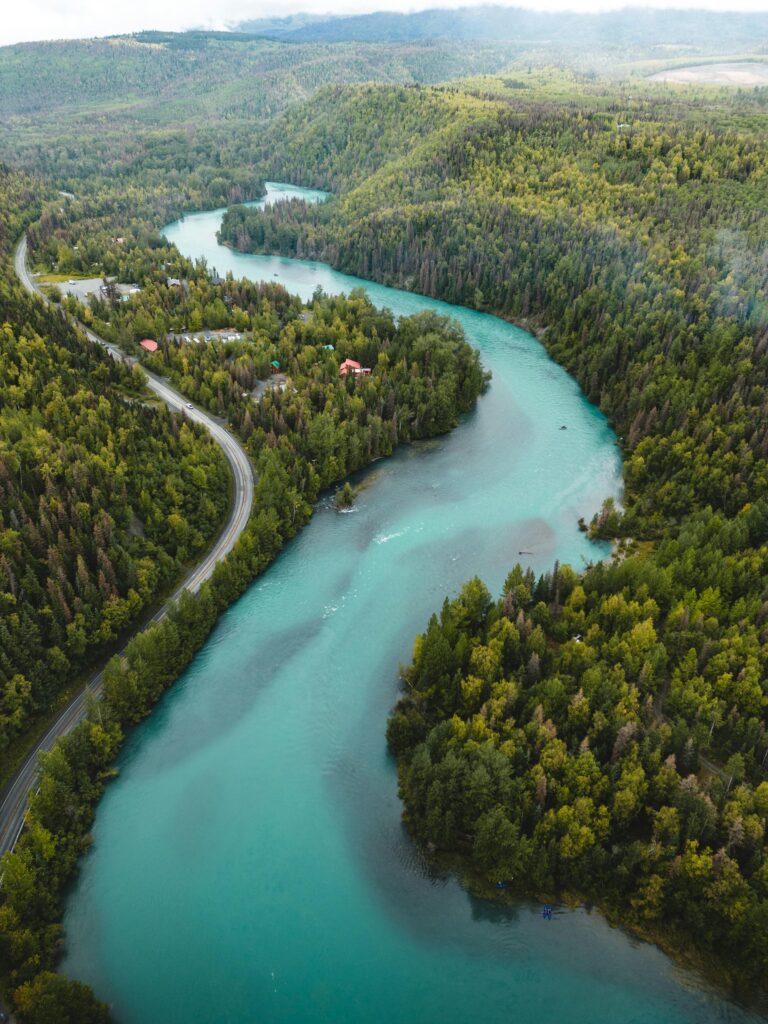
<point x="709" y="972"/>
<point x="606" y="379"/>
<point x="672" y="942"/>
<point x="296" y="684"/>
<point x="240" y="490"/>
<point x="78" y="704"/>
<point x="136" y="680"/>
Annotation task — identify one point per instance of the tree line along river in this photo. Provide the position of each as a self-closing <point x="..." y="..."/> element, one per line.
<point x="250" y="863"/>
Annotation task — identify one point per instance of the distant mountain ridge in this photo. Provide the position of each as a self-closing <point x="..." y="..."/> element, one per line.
<point x="162" y="77"/>
<point x="279" y="27"/>
<point x="629" y="26"/>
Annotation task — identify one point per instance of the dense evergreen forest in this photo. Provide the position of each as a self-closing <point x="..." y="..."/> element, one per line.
<point x="98" y="497"/>
<point x="638" y="249"/>
<point x="601" y="734"/>
<point x="164" y="78"/>
<point x="597" y="735"/>
<point x="103" y="497"/>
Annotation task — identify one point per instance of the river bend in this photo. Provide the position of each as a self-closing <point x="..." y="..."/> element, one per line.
<point x="249" y="863"/>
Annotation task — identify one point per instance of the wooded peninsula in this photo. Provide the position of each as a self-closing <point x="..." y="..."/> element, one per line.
<point x="601" y="733"/>
<point x="597" y="734"/>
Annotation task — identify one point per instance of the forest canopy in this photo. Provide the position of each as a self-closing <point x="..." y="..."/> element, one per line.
<point x="103" y="496"/>
<point x="598" y="734"/>
<point x="601" y="734"/>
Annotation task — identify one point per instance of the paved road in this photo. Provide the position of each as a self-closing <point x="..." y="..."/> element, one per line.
<point x="13" y="799"/>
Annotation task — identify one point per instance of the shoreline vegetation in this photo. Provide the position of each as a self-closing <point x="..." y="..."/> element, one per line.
<point x="709" y="972"/>
<point x="605" y="731"/>
<point x="344" y="499"/>
<point x="303" y="439"/>
<point x="678" y="945"/>
<point x="606" y="728"/>
<point x="56" y="445"/>
<point x="489" y="787"/>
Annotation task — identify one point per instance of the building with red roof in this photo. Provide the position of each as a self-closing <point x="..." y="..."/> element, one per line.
<point x="149" y="345"/>
<point x="353" y="367"/>
<point x="347" y="365"/>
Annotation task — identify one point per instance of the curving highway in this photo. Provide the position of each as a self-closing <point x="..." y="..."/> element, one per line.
<point x="13" y="799"/>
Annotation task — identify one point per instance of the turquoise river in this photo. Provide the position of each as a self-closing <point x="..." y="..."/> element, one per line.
<point x="249" y="863"/>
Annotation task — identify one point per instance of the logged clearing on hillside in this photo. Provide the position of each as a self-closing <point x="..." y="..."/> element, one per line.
<point x="746" y="73"/>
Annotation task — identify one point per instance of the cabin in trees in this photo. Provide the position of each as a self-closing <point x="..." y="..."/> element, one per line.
<point x="148" y="345"/>
<point x="353" y="367"/>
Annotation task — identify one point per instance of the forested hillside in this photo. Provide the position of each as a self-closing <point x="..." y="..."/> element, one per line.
<point x="103" y="498"/>
<point x="165" y="121"/>
<point x="159" y="78"/>
<point x="103" y="484"/>
<point x="640" y="248"/>
<point x="602" y="734"/>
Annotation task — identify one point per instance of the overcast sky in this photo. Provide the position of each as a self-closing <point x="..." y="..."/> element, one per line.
<point x="73" y="19"/>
